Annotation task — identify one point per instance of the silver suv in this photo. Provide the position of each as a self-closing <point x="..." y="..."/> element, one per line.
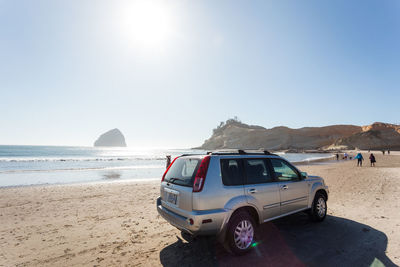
<point x="229" y="194"/>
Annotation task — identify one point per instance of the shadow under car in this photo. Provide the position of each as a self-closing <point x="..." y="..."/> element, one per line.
<point x="290" y="241"/>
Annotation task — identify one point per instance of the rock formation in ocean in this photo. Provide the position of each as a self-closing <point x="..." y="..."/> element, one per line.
<point x="113" y="137"/>
<point x="235" y="134"/>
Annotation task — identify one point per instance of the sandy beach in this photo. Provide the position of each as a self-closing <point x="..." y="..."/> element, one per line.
<point x="116" y="224"/>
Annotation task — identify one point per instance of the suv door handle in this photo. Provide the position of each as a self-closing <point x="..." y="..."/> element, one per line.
<point x="284" y="187"/>
<point x="252" y="191"/>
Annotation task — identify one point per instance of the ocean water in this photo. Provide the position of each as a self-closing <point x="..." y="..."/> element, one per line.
<point x="34" y="165"/>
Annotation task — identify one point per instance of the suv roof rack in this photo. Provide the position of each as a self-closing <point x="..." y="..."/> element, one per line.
<point x="240" y="152"/>
<point x="197" y="154"/>
<point x="234" y="152"/>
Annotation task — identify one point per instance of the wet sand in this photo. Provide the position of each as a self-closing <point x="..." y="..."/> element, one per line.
<point x="116" y="224"/>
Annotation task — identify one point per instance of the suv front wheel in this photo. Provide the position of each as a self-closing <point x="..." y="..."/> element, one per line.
<point x="319" y="208"/>
<point x="241" y="232"/>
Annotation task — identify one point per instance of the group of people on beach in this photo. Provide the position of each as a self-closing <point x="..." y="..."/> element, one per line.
<point x="360" y="159"/>
<point x="383" y="151"/>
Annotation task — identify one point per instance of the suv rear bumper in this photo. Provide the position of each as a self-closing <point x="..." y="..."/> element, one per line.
<point x="207" y="222"/>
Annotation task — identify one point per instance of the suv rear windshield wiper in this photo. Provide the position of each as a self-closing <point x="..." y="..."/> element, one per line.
<point x="171" y="180"/>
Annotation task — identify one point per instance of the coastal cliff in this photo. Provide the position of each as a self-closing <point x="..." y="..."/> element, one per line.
<point x="113" y="137"/>
<point x="235" y="134"/>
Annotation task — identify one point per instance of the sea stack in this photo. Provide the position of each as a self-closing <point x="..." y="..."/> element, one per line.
<point x="113" y="137"/>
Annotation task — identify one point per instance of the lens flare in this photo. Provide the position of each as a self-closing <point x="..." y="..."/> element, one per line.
<point x="254" y="244"/>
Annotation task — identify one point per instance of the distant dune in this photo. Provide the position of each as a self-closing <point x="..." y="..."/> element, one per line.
<point x="235" y="134"/>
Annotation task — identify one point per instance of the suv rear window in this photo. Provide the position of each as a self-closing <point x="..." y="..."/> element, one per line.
<point x="257" y="171"/>
<point x="231" y="170"/>
<point x="183" y="171"/>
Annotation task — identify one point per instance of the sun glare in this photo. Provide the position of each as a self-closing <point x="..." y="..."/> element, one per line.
<point x="147" y="23"/>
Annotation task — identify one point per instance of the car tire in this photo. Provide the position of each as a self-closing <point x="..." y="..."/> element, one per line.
<point x="241" y="233"/>
<point x="319" y="208"/>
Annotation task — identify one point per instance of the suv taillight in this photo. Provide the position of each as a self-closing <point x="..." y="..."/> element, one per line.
<point x="200" y="177"/>
<point x="165" y="173"/>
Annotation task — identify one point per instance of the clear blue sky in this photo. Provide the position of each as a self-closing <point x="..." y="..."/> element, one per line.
<point x="166" y="72"/>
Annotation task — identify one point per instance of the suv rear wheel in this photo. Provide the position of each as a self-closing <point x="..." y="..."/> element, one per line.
<point x="241" y="232"/>
<point x="319" y="208"/>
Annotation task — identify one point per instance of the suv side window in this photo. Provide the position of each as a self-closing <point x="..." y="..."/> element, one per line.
<point x="257" y="171"/>
<point x="284" y="171"/>
<point x="232" y="172"/>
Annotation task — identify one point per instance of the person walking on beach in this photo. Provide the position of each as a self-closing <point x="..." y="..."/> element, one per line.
<point x="168" y="161"/>
<point x="372" y="159"/>
<point x="359" y="158"/>
<point x="337" y="156"/>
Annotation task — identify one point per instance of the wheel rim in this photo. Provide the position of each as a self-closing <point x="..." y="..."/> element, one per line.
<point x="244" y="234"/>
<point x="321" y="207"/>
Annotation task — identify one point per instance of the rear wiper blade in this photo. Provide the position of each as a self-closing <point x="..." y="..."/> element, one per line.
<point x="171" y="180"/>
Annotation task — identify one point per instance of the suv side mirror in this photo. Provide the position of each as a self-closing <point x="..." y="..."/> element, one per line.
<point x="304" y="175"/>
